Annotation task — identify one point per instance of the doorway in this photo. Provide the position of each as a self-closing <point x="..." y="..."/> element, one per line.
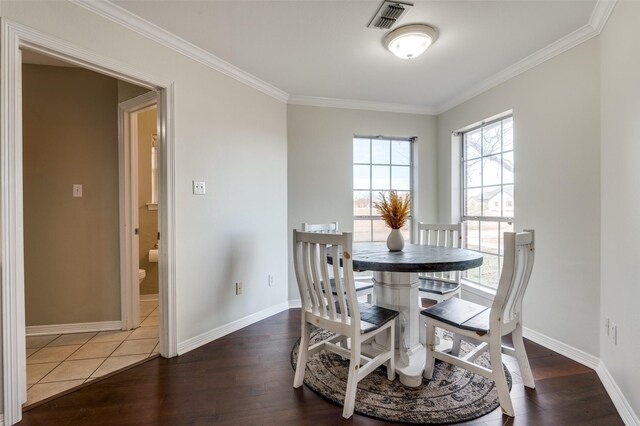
<point x="72" y="155"/>
<point x="15" y="38"/>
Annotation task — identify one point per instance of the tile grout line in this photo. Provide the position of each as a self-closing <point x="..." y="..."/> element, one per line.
<point x="110" y="356"/>
<point x="82" y="359"/>
<point x="103" y="361"/>
<point x="60" y="363"/>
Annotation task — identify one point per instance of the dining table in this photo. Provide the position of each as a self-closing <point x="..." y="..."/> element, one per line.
<point x="396" y="281"/>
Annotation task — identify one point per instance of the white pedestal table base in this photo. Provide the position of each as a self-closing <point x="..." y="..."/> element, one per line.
<point x="399" y="291"/>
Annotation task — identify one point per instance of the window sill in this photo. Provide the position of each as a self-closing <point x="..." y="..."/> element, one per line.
<point x="478" y="290"/>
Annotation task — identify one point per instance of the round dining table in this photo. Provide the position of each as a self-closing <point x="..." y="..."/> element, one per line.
<point x="396" y="281"/>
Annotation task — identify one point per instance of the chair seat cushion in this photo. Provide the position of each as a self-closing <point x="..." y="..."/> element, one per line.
<point x="372" y="317"/>
<point x="427" y="285"/>
<point x="462" y="314"/>
<point x="362" y="287"/>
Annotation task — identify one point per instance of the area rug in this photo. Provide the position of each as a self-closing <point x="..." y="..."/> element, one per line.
<point x="453" y="395"/>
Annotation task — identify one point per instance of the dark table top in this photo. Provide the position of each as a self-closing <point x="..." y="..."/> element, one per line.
<point x="413" y="258"/>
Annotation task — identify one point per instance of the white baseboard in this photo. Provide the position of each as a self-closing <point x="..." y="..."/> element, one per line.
<point x="629" y="417"/>
<point x="148" y="297"/>
<point x="216" y="333"/>
<point x="625" y="411"/>
<point x="82" y="327"/>
<point x="295" y="303"/>
<point x="570" y="352"/>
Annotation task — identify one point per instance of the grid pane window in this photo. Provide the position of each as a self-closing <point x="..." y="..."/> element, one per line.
<point x="487" y="195"/>
<point x="379" y="164"/>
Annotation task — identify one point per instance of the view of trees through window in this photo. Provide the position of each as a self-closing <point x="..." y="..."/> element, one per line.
<point x="487" y="192"/>
<point x="379" y="164"/>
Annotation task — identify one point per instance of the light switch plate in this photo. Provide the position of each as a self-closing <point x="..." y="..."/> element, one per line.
<point x="199" y="188"/>
<point x="77" y="190"/>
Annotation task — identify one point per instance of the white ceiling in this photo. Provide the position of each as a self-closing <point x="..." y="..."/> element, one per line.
<point x="324" y="49"/>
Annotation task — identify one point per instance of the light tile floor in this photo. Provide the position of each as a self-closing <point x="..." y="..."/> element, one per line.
<point x="56" y="363"/>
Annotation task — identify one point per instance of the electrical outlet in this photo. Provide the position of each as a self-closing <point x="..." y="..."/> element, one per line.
<point x="270" y="280"/>
<point x="77" y="190"/>
<point x="238" y="288"/>
<point x="199" y="188"/>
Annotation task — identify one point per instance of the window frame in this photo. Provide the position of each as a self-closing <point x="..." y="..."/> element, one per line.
<point x="475" y="286"/>
<point x="411" y="140"/>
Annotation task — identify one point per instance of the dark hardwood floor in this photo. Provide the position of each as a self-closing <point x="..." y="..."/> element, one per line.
<point x="245" y="378"/>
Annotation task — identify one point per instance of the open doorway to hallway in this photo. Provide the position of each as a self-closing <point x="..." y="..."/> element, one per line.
<point x="72" y="196"/>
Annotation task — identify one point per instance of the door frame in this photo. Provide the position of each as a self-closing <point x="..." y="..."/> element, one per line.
<point x="13" y="37"/>
<point x="128" y="181"/>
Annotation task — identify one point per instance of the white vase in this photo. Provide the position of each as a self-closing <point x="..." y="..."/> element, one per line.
<point x="395" y="240"/>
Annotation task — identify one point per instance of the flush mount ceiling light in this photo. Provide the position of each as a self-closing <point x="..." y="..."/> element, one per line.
<point x="410" y="41"/>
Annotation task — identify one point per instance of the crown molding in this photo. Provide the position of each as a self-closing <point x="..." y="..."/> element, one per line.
<point x="597" y="22"/>
<point x="64" y="51"/>
<point x="554" y="49"/>
<point x="599" y="16"/>
<point x="361" y="105"/>
<point x="105" y="8"/>
<point x="601" y="13"/>
<point x="145" y="28"/>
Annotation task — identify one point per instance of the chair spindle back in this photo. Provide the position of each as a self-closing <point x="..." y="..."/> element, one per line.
<point x="310" y="251"/>
<point x="320" y="227"/>
<point x="445" y="235"/>
<point x="519" y="254"/>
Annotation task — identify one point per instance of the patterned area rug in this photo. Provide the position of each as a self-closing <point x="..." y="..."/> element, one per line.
<point x="453" y="395"/>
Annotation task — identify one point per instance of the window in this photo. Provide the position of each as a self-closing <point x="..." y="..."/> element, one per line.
<point x="379" y="164"/>
<point x="487" y="195"/>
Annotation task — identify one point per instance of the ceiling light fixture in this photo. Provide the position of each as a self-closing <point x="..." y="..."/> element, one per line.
<point x="410" y="41"/>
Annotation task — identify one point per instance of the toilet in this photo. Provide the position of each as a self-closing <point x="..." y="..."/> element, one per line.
<point x="141" y="274"/>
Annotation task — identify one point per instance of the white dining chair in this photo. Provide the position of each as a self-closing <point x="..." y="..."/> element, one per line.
<point x="477" y="323"/>
<point x="440" y="286"/>
<point x="364" y="287"/>
<point x="320" y="227"/>
<point x="341" y="314"/>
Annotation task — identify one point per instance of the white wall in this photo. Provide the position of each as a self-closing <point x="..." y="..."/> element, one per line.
<point x="620" y="148"/>
<point x="556" y="131"/>
<point x="227" y="134"/>
<point x="321" y="163"/>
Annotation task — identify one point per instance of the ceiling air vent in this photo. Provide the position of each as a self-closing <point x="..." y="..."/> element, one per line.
<point x="388" y="14"/>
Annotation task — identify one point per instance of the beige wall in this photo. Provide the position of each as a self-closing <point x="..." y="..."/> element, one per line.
<point x="556" y="111"/>
<point x="128" y="91"/>
<point x="620" y="146"/>
<point x="147" y="219"/>
<point x="320" y="162"/>
<point x="71" y="244"/>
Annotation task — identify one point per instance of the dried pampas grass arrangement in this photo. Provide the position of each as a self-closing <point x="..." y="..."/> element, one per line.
<point x="394" y="209"/>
